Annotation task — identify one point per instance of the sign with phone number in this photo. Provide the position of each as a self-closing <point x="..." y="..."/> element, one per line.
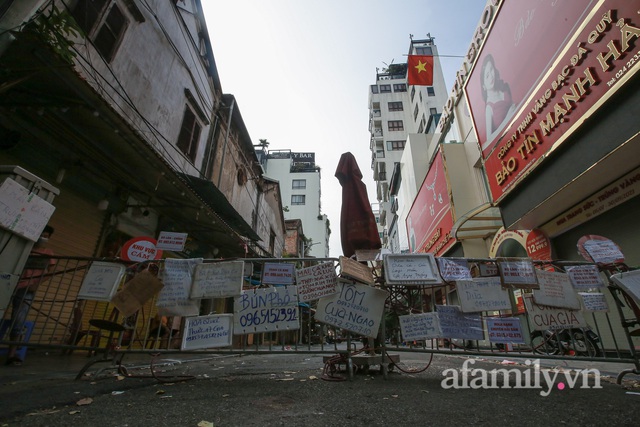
<point x="266" y="310"/>
<point x="356" y="307"/>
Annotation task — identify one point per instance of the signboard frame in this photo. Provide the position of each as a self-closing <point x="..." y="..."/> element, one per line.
<point x="425" y="262"/>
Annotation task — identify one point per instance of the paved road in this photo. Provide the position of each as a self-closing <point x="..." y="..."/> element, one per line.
<point x="289" y="390"/>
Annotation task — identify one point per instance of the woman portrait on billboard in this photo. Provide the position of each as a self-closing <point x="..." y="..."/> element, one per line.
<point x="499" y="106"/>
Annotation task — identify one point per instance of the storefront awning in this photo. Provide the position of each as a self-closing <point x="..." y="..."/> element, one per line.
<point x="479" y="223"/>
<point x="213" y="197"/>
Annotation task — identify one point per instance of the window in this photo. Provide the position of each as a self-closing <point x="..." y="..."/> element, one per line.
<point x="297" y="199"/>
<point x="299" y="184"/>
<point x="395" y="106"/>
<point x="385" y="88"/>
<point x="431" y="91"/>
<point x="396" y="125"/>
<point x="413" y="92"/>
<point x="103" y="22"/>
<point x="433" y="111"/>
<point x="374" y="89"/>
<point x="395" y="145"/>
<point x="189" y="134"/>
<point x="399" y="87"/>
<point x="415" y="113"/>
<point x="424" y="50"/>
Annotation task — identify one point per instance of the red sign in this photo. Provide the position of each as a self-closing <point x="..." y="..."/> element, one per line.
<point x="588" y="54"/>
<point x="538" y="246"/>
<point x="140" y="249"/>
<point x="430" y="221"/>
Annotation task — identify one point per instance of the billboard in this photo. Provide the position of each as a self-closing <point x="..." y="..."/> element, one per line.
<point x="544" y="68"/>
<point x="430" y="219"/>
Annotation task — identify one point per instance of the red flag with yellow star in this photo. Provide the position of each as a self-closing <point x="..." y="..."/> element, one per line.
<point x="420" y="70"/>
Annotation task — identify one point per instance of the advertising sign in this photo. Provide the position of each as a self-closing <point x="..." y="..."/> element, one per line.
<point x="430" y="220"/>
<point x="528" y="97"/>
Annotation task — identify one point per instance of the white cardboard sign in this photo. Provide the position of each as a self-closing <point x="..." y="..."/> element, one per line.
<point x="355" y="307"/>
<point x="555" y="290"/>
<point x="266" y="310"/>
<point x="207" y="331"/>
<point x="218" y="280"/>
<point x="482" y="294"/>
<point x="423" y="326"/>
<point x="177" y="277"/>
<point x="543" y="317"/>
<point x="101" y="281"/>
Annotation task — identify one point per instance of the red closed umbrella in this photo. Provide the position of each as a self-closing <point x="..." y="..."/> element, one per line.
<point x="358" y="228"/>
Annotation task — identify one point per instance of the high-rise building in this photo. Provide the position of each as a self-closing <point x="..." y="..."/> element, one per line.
<point x="397" y="110"/>
<point x="299" y="179"/>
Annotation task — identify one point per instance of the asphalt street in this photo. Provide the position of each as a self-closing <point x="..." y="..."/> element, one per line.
<point x="296" y="390"/>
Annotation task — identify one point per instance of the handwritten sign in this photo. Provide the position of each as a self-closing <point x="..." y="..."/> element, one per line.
<point x="594" y="301"/>
<point x="603" y="250"/>
<point x="355" y="307"/>
<point x="555" y="290"/>
<point x="544" y="317"/>
<point x="454" y="269"/>
<point x="101" y="281"/>
<point x="629" y="282"/>
<point x="505" y="330"/>
<point x="316" y="281"/>
<point x="482" y="294"/>
<point x="266" y="310"/>
<point x="211" y="331"/>
<point x="585" y="276"/>
<point x="171" y="241"/>
<point x="422" y="326"/>
<point x="517" y="273"/>
<point x="177" y="277"/>
<point x="278" y="273"/>
<point x="22" y="212"/>
<point x="456" y="324"/>
<point x="411" y="269"/>
<point x="218" y="280"/>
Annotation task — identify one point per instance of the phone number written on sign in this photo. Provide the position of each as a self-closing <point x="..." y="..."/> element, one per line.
<point x="268" y="315"/>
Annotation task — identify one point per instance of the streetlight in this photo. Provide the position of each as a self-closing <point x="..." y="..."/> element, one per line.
<point x="305" y="248"/>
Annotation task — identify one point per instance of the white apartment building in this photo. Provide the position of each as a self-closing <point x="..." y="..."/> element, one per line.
<point x="299" y="179"/>
<point x="397" y="110"/>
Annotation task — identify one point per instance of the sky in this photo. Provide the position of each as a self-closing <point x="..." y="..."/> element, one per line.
<point x="300" y="70"/>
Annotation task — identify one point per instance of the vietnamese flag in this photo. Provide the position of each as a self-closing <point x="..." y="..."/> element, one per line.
<point x="420" y="70"/>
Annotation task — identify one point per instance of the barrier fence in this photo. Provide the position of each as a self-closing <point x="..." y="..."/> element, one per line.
<point x="358" y="314"/>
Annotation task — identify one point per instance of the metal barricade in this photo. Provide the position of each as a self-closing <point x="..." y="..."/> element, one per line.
<point x="62" y="318"/>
